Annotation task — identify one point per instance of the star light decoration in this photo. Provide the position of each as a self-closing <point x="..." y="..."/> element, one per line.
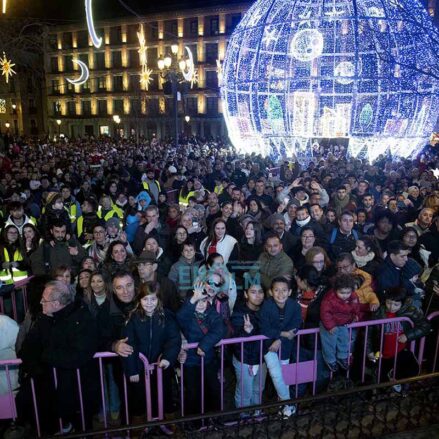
<point x="297" y="72"/>
<point x="145" y="72"/>
<point x="436" y="172"/>
<point x="6" y="67"/>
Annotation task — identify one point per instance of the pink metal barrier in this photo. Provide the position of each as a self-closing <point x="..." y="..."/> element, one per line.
<point x="303" y="371"/>
<point x="19" y="287"/>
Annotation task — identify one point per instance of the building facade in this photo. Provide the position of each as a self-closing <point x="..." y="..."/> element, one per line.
<point x="114" y="89"/>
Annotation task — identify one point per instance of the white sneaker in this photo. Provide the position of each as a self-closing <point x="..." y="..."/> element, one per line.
<point x="288" y="410"/>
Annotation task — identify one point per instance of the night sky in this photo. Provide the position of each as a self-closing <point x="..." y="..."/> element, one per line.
<point x="73" y="10"/>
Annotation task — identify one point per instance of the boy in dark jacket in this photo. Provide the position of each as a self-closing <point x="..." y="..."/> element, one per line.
<point x="340" y="307"/>
<point x="397" y="335"/>
<point x="200" y="323"/>
<point x="280" y="319"/>
<point x="250" y="374"/>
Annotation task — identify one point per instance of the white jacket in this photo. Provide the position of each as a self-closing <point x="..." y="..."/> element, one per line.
<point x="223" y="247"/>
<point x="9" y="332"/>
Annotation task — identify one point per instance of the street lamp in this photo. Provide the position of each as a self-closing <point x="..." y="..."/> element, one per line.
<point x="187" y="119"/>
<point x="172" y="69"/>
<point x="116" y="120"/>
<point x="58" y="122"/>
<point x="7" y="125"/>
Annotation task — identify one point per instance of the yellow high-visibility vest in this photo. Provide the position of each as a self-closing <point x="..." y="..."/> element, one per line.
<point x="14" y="274"/>
<point x="146" y="185"/>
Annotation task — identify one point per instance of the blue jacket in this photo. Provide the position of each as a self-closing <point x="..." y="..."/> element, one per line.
<point x="389" y="276"/>
<point x="152" y="337"/>
<point x="251" y="350"/>
<point x="194" y="334"/>
<point x="271" y="324"/>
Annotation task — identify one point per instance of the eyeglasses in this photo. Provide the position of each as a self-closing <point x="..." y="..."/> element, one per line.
<point x="43" y="300"/>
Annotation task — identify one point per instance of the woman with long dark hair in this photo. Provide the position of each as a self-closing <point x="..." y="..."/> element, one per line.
<point x="218" y="241"/>
<point x="116" y="259"/>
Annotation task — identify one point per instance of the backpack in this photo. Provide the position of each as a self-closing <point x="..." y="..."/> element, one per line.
<point x="334" y="235"/>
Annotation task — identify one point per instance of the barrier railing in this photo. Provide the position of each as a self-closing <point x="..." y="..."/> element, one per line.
<point x="431" y="317"/>
<point x="305" y="369"/>
<point x="20" y="286"/>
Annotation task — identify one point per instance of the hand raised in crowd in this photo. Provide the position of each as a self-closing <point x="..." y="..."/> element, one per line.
<point x="248" y="327"/>
<point x="198" y="292"/>
<point x="297" y="182"/>
<point x="123" y="236"/>
<point x="164" y="364"/>
<point x="200" y="352"/>
<point x="402" y="338"/>
<point x="122" y="348"/>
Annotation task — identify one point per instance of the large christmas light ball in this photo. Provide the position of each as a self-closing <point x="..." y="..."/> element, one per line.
<point x="303" y="70"/>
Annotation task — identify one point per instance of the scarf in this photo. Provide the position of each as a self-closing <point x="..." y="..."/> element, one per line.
<point x="361" y="261"/>
<point x="340" y="205"/>
<point x="302" y="223"/>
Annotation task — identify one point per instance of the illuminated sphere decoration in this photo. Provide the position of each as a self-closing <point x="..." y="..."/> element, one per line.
<point x="296" y="72"/>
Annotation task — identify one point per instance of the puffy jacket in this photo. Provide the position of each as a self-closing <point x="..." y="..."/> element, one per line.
<point x="153" y="337"/>
<point x="251" y="350"/>
<point x="9" y="332"/>
<point x="366" y="294"/>
<point x="337" y="312"/>
<point x="194" y="334"/>
<point x="421" y="326"/>
<point x="271" y="324"/>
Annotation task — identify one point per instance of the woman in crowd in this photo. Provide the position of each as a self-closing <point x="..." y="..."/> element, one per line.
<point x="367" y="254"/>
<point x="116" y="259"/>
<point x="31" y="239"/>
<point x="176" y="244"/>
<point x="307" y="241"/>
<point x="220" y="242"/>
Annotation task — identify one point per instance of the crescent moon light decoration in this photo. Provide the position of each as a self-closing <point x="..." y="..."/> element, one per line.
<point x="191" y="75"/>
<point x="97" y="41"/>
<point x="84" y="73"/>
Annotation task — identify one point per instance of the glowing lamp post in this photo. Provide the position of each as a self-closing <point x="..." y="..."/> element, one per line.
<point x="58" y="122"/>
<point x="116" y="120"/>
<point x="175" y="71"/>
<point x="7" y="125"/>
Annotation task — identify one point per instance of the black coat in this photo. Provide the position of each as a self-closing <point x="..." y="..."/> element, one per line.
<point x="153" y="337"/>
<point x="67" y="341"/>
<point x="251" y="350"/>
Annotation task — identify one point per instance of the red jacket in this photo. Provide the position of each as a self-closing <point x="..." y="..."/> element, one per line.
<point x="336" y="312"/>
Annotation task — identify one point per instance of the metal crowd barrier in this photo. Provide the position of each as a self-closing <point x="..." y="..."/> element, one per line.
<point x="19" y="287"/>
<point x="303" y="371"/>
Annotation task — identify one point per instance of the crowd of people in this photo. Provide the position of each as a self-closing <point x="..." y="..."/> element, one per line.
<point x="244" y="246"/>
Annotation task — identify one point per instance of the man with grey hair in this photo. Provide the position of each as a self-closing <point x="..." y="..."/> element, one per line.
<point x="63" y="337"/>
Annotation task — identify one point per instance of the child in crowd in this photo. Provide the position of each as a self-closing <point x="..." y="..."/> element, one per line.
<point x="280" y="319"/>
<point x="200" y="323"/>
<point x="397" y="336"/>
<point x="152" y="331"/>
<point x="250" y="373"/>
<point x="339" y="308"/>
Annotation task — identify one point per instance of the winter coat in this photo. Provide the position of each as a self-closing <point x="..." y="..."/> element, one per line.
<point x="183" y="274"/>
<point x="337" y="312"/>
<point x="274" y="266"/>
<point x="227" y="248"/>
<point x="56" y="256"/>
<point x="342" y="243"/>
<point x="389" y="276"/>
<point x="421" y="326"/>
<point x="194" y="334"/>
<point x="271" y="324"/>
<point x="9" y="332"/>
<point x="366" y="294"/>
<point x="161" y="234"/>
<point x="154" y="337"/>
<point x="251" y="350"/>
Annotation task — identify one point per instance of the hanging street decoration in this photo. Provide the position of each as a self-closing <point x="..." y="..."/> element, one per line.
<point x="6" y="67"/>
<point x="97" y="41"/>
<point x="191" y="74"/>
<point x="4" y="5"/>
<point x="83" y="77"/>
<point x="145" y="72"/>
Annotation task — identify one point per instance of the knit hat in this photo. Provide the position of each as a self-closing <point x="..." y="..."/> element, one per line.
<point x="113" y="222"/>
<point x="276" y="217"/>
<point x="51" y="197"/>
